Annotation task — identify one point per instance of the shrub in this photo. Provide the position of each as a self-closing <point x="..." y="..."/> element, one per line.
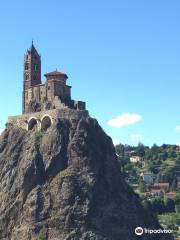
<point x="37" y="135"/>
<point x="42" y="235"/>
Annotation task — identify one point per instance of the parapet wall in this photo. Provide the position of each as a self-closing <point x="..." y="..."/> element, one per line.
<point x="22" y="121"/>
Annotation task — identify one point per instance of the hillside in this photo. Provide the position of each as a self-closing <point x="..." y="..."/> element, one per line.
<point x="154" y="174"/>
<point x="163" y="161"/>
<point x="65" y="183"/>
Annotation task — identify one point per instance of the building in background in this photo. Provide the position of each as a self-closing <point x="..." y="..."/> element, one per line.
<point x="135" y="159"/>
<point x="147" y="177"/>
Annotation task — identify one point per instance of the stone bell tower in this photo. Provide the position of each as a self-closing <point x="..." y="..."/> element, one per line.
<point x="32" y="70"/>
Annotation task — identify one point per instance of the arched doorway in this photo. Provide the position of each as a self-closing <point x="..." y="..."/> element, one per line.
<point x="46" y="122"/>
<point x="32" y="123"/>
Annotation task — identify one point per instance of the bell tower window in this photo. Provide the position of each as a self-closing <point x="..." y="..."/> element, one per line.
<point x="35" y="67"/>
<point x="26" y="66"/>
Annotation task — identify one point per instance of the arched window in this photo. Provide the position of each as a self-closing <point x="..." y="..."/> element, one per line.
<point x="35" y="67"/>
<point x="27" y="77"/>
<point x="32" y="123"/>
<point x="46" y="123"/>
<point x="26" y="66"/>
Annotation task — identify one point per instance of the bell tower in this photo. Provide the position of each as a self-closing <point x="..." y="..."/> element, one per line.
<point x="32" y="67"/>
<point x="32" y="70"/>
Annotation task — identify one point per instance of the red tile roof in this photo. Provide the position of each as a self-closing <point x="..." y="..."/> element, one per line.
<point x="164" y="184"/>
<point x="55" y="73"/>
<point x="170" y="194"/>
<point x="156" y="190"/>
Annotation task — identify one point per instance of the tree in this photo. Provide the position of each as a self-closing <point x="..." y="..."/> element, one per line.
<point x="166" y="174"/>
<point x="174" y="185"/>
<point x="147" y="205"/>
<point x="163" y="156"/>
<point x="142" y="186"/>
<point x="169" y="205"/>
<point x="177" y="208"/>
<point x="120" y="149"/>
<point x="177" y="202"/>
<point x="158" y="205"/>
<point x="155" y="149"/>
<point x="140" y="150"/>
<point x="172" y="154"/>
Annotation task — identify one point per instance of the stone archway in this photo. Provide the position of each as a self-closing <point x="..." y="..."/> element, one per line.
<point x="32" y="123"/>
<point x="46" y="122"/>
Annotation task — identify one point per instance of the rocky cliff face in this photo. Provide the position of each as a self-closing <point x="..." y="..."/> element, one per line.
<point x="65" y="183"/>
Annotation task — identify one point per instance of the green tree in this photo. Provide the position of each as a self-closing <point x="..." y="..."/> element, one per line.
<point x="140" y="150"/>
<point x="158" y="205"/>
<point x="177" y="202"/>
<point x="120" y="149"/>
<point x="42" y="234"/>
<point x="166" y="174"/>
<point x="155" y="149"/>
<point x="169" y="205"/>
<point x="142" y="186"/>
<point x="147" y="205"/>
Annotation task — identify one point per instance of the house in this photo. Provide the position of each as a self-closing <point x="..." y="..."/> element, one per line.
<point x="147" y="177"/>
<point x="159" y="189"/>
<point x="163" y="185"/>
<point x="135" y="159"/>
<point x="157" y="192"/>
<point x="133" y="153"/>
<point x="170" y="195"/>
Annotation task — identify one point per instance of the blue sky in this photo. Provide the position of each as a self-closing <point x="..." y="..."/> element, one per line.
<point x="122" y="57"/>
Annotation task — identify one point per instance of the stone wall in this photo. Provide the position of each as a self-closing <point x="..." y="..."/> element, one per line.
<point x="22" y="121"/>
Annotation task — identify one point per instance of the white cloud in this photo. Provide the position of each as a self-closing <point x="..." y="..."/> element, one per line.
<point x="178" y="128"/>
<point x="124" y="120"/>
<point x="178" y="143"/>
<point x="136" y="137"/>
<point x="116" y="141"/>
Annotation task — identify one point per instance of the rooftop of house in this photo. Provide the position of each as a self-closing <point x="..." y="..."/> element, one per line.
<point x="163" y="184"/>
<point x="55" y="73"/>
<point x="170" y="194"/>
<point x="147" y="173"/>
<point x="135" y="157"/>
<point x="155" y="190"/>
